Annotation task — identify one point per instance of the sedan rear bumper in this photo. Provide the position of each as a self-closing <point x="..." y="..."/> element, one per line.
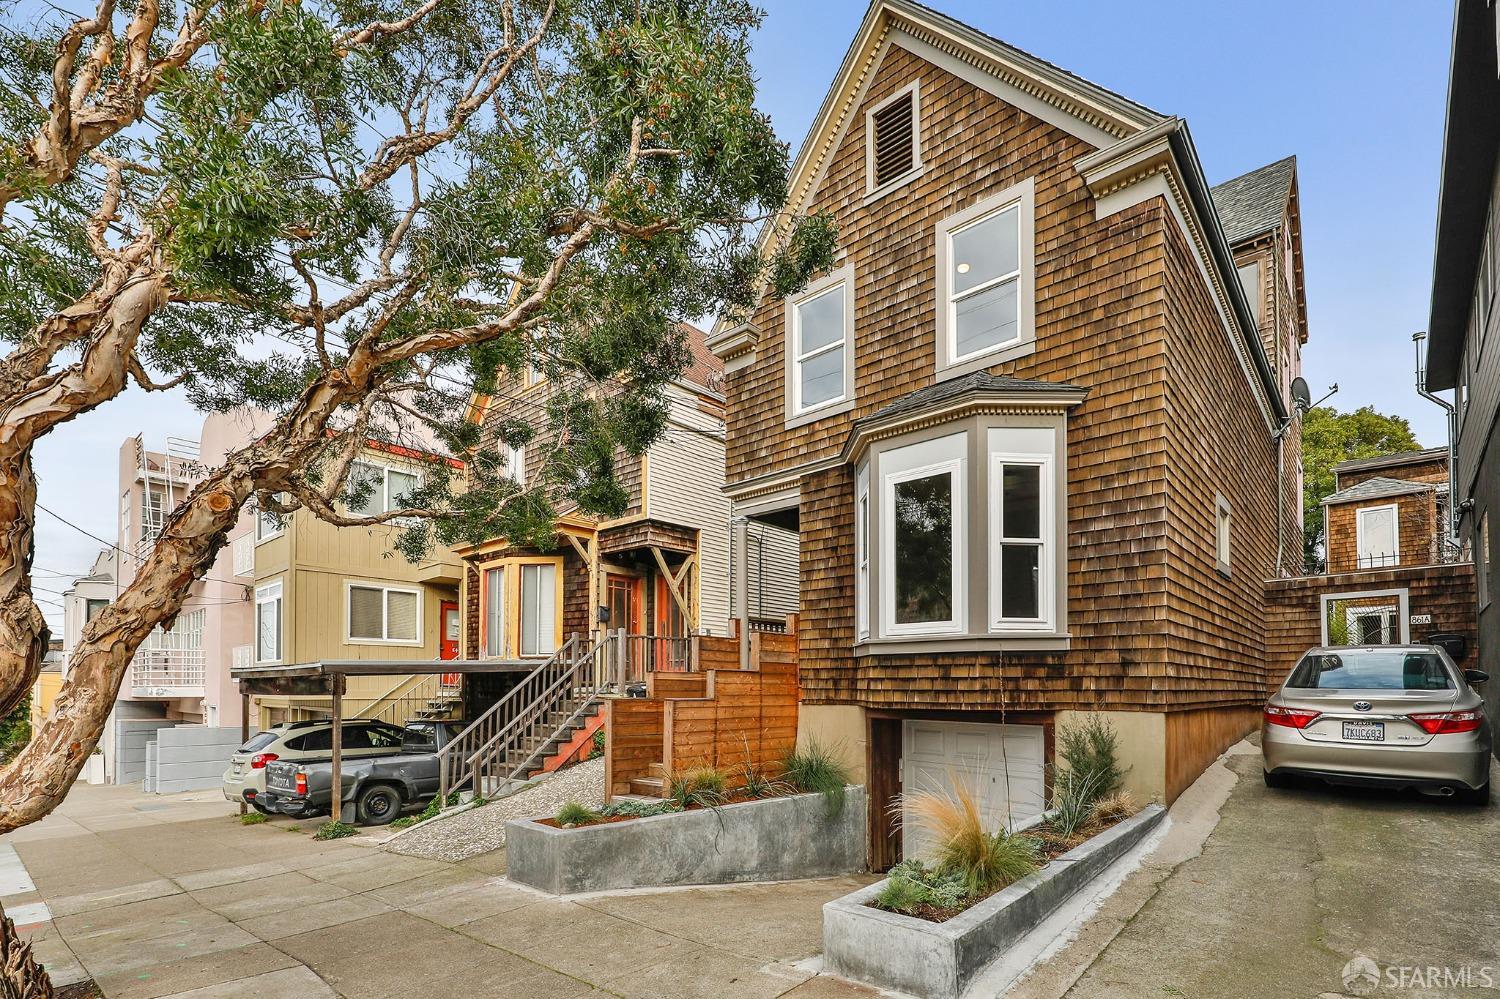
<point x="1445" y="761"/>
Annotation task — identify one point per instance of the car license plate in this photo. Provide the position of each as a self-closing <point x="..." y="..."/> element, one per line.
<point x="1364" y="731"/>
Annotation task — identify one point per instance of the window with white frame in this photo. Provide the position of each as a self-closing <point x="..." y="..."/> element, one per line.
<point x="893" y="143"/>
<point x="923" y="541"/>
<point x="862" y="552"/>
<point x="985" y="278"/>
<point x="494" y="612"/>
<point x="515" y="462"/>
<point x="244" y="555"/>
<point x="538" y="608"/>
<point x="1223" y="534"/>
<point x="374" y="489"/>
<point x="1377" y="536"/>
<point x="268" y="525"/>
<point x="268" y="623"/>
<point x="820" y="354"/>
<point x="1250" y="281"/>
<point x="379" y="613"/>
<point x="1022" y="499"/>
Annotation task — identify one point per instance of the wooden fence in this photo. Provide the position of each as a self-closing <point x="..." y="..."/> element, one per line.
<point x="729" y="715"/>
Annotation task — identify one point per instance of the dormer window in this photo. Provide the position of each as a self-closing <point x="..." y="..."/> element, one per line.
<point x="893" y="140"/>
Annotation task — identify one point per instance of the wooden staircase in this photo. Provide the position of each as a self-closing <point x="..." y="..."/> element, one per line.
<point x="653" y="785"/>
<point x="531" y="726"/>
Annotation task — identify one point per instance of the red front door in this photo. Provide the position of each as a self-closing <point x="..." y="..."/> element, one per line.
<point x="448" y="644"/>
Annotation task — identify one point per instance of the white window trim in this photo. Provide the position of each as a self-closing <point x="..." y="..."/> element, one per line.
<point x="262" y="535"/>
<point x="1223" y="547"/>
<point x="515" y="464"/>
<point x="244" y="553"/>
<point x="486" y="593"/>
<point x="1022" y="196"/>
<point x="912" y="92"/>
<point x="862" y="553"/>
<point x="796" y="413"/>
<point x="1403" y="612"/>
<point x="557" y="610"/>
<point x="958" y="490"/>
<point x="1047" y="552"/>
<point x="385" y="480"/>
<point x="1359" y="535"/>
<point x="270" y="593"/>
<point x="386" y="589"/>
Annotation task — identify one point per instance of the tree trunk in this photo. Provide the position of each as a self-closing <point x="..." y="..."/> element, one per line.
<point x="23" y="629"/>
<point x="20" y="975"/>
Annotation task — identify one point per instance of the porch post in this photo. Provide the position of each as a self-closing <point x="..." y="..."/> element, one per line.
<point x="740" y="583"/>
<point x="336" y="805"/>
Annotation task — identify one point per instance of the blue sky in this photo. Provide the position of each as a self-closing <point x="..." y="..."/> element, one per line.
<point x="1354" y="88"/>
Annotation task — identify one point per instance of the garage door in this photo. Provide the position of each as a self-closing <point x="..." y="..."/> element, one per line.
<point x="1001" y="764"/>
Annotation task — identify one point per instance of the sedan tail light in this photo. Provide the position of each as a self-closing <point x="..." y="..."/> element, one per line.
<point x="1289" y="717"/>
<point x="1449" y="722"/>
<point x="301" y="782"/>
<point x="259" y="760"/>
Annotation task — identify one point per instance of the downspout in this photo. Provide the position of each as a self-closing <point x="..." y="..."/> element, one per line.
<point x="1454" y="509"/>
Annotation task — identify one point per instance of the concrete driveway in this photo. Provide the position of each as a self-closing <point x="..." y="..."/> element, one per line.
<point x="1261" y="894"/>
<point x="153" y="896"/>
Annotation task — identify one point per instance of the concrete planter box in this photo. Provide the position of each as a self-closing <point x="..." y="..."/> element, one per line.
<point x="774" y="839"/>
<point x="941" y="960"/>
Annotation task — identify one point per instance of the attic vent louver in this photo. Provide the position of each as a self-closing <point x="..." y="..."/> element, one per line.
<point x="892" y="141"/>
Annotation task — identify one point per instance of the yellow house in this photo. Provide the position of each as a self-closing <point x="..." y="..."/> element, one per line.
<point x="326" y="593"/>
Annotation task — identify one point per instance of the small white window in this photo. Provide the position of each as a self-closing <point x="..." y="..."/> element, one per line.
<point x="244" y="555"/>
<point x="985" y="281"/>
<point x="494" y="613"/>
<point x="241" y="656"/>
<point x="1223" y="534"/>
<point x="1377" y="537"/>
<point x="268" y="623"/>
<point x="538" y="610"/>
<point x="1250" y="282"/>
<point x="515" y="462"/>
<point x="820" y="356"/>
<point x="862" y="553"/>
<point x="374" y="489"/>
<point x="893" y="142"/>
<point x="268" y="525"/>
<point x="383" y="614"/>
<point x="923" y="540"/>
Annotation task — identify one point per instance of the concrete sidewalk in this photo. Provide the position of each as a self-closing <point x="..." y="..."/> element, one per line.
<point x="173" y="897"/>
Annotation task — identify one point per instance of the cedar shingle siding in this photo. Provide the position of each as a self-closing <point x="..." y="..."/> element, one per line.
<point x="1169" y="422"/>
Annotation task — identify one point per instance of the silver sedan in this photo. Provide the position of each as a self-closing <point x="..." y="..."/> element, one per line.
<point x="1398" y="716"/>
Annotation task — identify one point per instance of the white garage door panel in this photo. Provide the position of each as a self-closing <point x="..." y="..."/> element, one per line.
<point x="1002" y="764"/>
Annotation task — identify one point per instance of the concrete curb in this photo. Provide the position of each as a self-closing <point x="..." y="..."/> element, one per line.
<point x="774" y="839"/>
<point x="941" y="960"/>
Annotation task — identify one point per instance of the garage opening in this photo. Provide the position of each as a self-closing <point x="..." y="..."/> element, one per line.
<point x="1004" y="765"/>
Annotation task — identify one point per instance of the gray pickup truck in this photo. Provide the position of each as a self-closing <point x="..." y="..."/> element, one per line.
<point x="377" y="788"/>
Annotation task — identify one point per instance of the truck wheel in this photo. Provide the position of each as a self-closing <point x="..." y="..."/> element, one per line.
<point x="379" y="805"/>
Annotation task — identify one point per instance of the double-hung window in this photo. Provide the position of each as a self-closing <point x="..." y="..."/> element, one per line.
<point x="268" y="525"/>
<point x="268" y="623"/>
<point x="378" y="613"/>
<point x="820" y="356"/>
<point x="494" y="612"/>
<point x="923" y="541"/>
<point x="1021" y="529"/>
<point x="985" y="282"/>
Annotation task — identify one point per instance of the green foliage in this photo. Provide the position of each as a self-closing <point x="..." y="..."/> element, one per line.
<point x="335" y="830"/>
<point x="599" y="742"/>
<point x="637" y="809"/>
<point x="252" y="819"/>
<point x="980" y="859"/>
<point x="1073" y="795"/>
<point x="406" y="821"/>
<point x="262" y="173"/>
<point x="957" y="883"/>
<point x="1330" y="437"/>
<point x="815" y="768"/>
<point x="15" y="730"/>
<point x="1091" y="748"/>
<point x="573" y="814"/>
<point x="702" y="786"/>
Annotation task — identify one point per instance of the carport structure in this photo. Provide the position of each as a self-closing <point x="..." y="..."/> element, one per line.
<point x="329" y="678"/>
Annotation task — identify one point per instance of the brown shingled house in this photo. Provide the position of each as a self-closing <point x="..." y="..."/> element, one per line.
<point x="1033" y="428"/>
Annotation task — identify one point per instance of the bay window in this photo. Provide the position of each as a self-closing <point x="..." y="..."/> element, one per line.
<point x="538" y="609"/>
<point x="1021" y="517"/>
<point x="494" y="613"/>
<point x="519" y="606"/>
<point x="922" y="537"/>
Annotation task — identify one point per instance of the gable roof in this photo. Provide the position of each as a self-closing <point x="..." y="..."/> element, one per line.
<point x="1255" y="202"/>
<point x="1378" y="487"/>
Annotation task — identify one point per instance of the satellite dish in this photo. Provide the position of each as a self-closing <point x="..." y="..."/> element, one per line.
<point x="1301" y="395"/>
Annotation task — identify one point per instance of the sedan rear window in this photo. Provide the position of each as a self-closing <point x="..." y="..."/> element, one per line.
<point x="1370" y="670"/>
<point x="258" y="741"/>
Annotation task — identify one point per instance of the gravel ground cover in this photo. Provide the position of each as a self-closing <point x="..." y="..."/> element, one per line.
<point x="480" y="830"/>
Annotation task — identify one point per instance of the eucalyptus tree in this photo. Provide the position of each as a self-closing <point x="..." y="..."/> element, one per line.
<point x="358" y="214"/>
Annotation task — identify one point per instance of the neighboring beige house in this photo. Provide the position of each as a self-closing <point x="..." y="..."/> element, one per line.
<point x="323" y="592"/>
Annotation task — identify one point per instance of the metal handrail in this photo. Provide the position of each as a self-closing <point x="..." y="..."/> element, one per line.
<point x="483" y="729"/>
